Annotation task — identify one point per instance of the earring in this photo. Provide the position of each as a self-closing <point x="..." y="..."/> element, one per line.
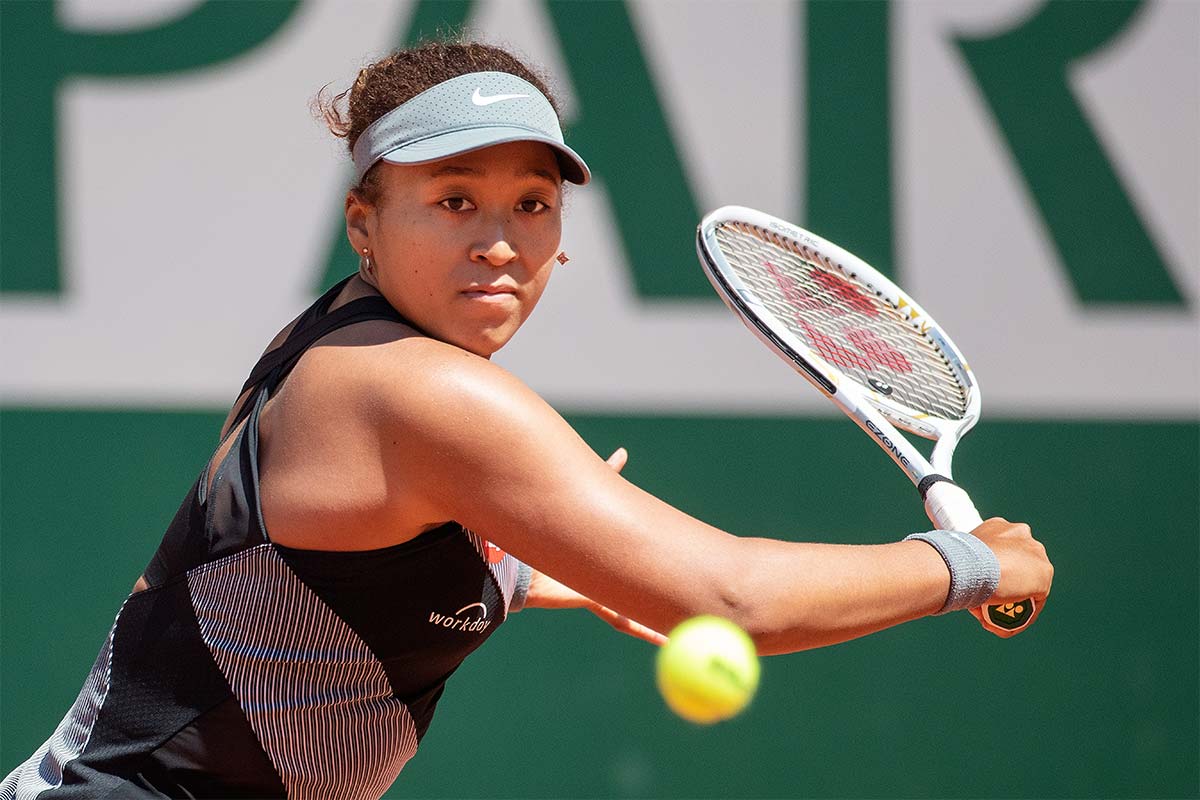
<point x="562" y="257"/>
<point x="365" y="261"/>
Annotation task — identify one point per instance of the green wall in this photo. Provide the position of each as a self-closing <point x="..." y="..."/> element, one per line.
<point x="1099" y="699"/>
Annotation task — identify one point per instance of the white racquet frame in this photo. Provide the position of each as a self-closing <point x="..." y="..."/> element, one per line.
<point x="948" y="505"/>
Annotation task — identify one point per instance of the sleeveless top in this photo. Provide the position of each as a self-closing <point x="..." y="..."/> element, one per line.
<point x="250" y="669"/>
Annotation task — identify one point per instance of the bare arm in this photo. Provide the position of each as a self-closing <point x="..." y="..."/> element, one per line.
<point x="482" y="449"/>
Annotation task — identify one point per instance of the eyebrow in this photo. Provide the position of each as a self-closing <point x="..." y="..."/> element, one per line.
<point x="450" y="169"/>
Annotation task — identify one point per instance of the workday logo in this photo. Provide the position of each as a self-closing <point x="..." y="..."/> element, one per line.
<point x="468" y="619"/>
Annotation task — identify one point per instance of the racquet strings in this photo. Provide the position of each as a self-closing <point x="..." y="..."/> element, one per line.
<point x="850" y="325"/>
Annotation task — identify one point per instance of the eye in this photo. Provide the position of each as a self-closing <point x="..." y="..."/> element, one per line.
<point x="457" y="204"/>
<point x="532" y="206"/>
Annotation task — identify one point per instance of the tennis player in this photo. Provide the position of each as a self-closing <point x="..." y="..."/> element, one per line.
<point x="383" y="496"/>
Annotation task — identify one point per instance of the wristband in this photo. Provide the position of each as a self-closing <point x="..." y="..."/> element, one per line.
<point x="521" y="591"/>
<point x="974" y="569"/>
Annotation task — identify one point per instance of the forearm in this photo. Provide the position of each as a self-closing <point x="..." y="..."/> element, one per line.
<point x="793" y="596"/>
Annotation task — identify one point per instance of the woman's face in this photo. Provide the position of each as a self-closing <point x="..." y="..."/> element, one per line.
<point x="464" y="247"/>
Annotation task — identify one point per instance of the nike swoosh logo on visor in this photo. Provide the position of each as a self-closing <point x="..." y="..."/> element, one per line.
<point x="481" y="100"/>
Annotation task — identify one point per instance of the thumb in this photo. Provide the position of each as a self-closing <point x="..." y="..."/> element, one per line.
<point x="618" y="459"/>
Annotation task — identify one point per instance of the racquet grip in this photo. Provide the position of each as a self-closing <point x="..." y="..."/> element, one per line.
<point x="950" y="508"/>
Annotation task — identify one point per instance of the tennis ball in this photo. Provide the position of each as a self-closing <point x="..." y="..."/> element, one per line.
<point x="708" y="669"/>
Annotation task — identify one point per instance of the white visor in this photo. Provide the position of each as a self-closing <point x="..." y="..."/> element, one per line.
<point x="466" y="113"/>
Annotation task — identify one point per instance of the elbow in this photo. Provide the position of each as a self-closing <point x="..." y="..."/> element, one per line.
<point x="772" y="632"/>
<point x="723" y="594"/>
<point x="749" y="593"/>
<point x="739" y="598"/>
<point x="747" y="583"/>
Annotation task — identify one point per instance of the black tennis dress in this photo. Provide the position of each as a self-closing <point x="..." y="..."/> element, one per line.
<point x="249" y="669"/>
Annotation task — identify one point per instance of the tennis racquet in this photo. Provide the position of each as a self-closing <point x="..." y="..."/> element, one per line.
<point x="865" y="344"/>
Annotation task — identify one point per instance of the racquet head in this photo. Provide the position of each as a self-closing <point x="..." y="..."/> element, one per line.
<point x="847" y="328"/>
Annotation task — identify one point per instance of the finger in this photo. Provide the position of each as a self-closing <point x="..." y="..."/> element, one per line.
<point x="628" y="626"/>
<point x="618" y="459"/>
<point x="640" y="631"/>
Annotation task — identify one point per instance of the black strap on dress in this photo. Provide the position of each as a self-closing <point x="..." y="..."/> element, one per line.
<point x="315" y="322"/>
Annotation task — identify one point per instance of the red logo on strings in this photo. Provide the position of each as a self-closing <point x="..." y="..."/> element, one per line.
<point x="845" y="290"/>
<point x="830" y="350"/>
<point x="852" y="299"/>
<point x="795" y="294"/>
<point x="876" y="349"/>
<point x="869" y="349"/>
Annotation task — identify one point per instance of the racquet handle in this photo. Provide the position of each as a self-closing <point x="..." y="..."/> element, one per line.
<point x="951" y="509"/>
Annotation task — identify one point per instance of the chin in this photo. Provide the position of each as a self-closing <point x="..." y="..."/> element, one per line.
<point x="485" y="343"/>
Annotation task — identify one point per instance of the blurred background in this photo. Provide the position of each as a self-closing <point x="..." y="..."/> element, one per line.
<point x="1028" y="170"/>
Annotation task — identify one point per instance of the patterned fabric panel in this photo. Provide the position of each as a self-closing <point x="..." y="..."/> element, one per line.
<point x="502" y="566"/>
<point x="44" y="769"/>
<point x="312" y="691"/>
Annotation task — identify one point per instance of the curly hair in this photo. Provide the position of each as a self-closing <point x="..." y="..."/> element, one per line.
<point x="387" y="83"/>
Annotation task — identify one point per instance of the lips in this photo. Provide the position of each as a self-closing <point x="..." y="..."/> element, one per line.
<point x="491" y="290"/>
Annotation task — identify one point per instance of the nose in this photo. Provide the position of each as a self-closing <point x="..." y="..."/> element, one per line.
<point x="497" y="254"/>
<point x="494" y="247"/>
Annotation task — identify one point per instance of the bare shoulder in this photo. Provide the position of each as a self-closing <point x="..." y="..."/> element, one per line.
<point x="391" y="368"/>
<point x="350" y="438"/>
<point x="438" y="412"/>
<point x="387" y="385"/>
<point x="467" y="414"/>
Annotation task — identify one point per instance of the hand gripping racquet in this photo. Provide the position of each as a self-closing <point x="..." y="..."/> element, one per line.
<point x="864" y="344"/>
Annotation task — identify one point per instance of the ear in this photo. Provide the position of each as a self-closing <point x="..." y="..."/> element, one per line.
<point x="360" y="217"/>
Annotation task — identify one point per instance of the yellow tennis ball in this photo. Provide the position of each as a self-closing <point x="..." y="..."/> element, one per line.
<point x="708" y="669"/>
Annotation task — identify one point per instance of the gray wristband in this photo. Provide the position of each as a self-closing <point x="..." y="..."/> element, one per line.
<point x="524" y="574"/>
<point x="974" y="569"/>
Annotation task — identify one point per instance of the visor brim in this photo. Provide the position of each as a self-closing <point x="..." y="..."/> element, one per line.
<point x="454" y="143"/>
